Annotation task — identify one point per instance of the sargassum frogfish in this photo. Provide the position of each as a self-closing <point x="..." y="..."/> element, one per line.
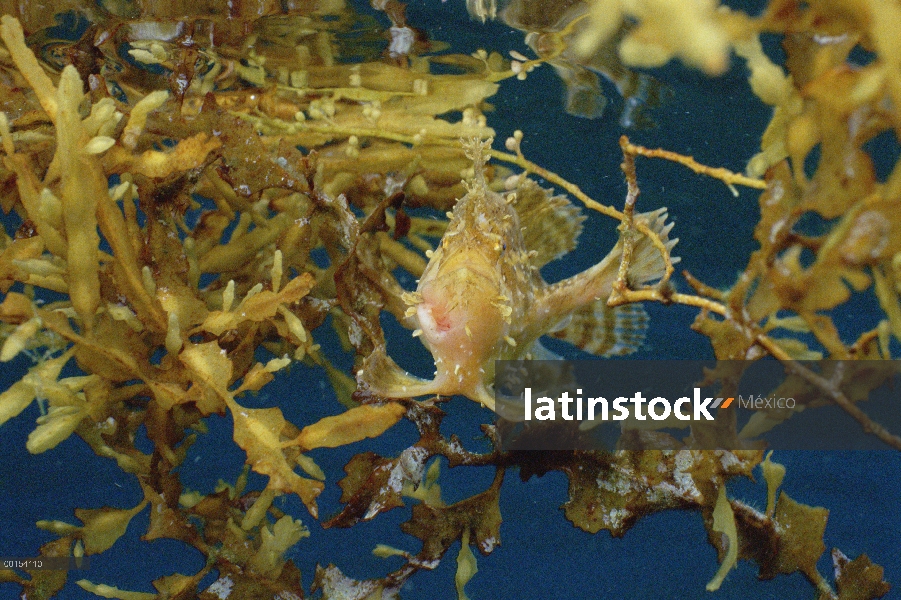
<point x="482" y="298"/>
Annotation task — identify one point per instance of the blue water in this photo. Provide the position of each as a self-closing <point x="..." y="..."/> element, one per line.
<point x="665" y="555"/>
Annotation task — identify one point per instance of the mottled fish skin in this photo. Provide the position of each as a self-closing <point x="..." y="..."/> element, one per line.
<point x="473" y="297"/>
<point x="481" y="298"/>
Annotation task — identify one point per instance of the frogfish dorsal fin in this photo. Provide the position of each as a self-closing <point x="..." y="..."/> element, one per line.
<point x="604" y="330"/>
<point x="551" y="224"/>
<point x="478" y="151"/>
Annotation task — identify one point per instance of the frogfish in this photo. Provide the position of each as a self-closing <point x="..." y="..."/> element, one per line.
<point x="482" y="297"/>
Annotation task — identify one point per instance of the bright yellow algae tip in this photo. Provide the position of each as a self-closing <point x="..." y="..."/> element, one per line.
<point x="350" y="426"/>
<point x="83" y="183"/>
<point x="774" y="473"/>
<point x="724" y="522"/>
<point x="260" y="433"/>
<point x="27" y="63"/>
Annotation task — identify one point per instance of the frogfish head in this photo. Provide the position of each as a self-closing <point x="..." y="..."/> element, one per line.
<point x="460" y="322"/>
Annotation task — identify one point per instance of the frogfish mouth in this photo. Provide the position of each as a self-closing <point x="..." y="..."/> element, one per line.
<point x="482" y="298"/>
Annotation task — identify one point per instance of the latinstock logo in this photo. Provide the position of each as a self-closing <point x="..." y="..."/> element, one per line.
<point x="699" y="405"/>
<point x="544" y="408"/>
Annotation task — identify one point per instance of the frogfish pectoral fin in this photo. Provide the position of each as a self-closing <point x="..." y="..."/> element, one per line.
<point x="604" y="330"/>
<point x="380" y="375"/>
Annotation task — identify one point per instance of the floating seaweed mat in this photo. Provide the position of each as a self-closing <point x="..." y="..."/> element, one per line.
<point x="195" y="253"/>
